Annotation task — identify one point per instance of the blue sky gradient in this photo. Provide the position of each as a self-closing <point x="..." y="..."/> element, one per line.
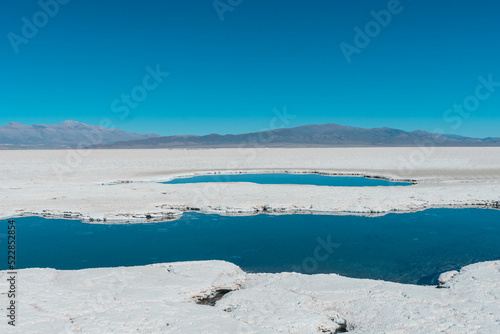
<point x="227" y="76"/>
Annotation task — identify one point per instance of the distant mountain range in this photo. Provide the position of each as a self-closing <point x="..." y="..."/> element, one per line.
<point x="63" y="135"/>
<point x="73" y="134"/>
<point x="325" y="135"/>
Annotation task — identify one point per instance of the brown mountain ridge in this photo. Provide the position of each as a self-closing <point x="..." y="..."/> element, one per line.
<point x="324" y="135"/>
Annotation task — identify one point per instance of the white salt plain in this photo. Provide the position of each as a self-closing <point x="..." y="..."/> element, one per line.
<point x="161" y="298"/>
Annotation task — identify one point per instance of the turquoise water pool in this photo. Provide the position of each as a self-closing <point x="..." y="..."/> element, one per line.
<point x="312" y="179"/>
<point x="407" y="248"/>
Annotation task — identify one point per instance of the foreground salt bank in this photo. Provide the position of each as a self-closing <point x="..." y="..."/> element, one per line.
<point x="53" y="183"/>
<point x="165" y="298"/>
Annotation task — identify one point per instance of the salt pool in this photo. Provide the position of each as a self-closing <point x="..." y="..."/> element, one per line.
<point x="286" y="178"/>
<point x="407" y="248"/>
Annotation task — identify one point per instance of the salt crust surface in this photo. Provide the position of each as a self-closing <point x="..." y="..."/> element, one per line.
<point x="161" y="298"/>
<point x="62" y="183"/>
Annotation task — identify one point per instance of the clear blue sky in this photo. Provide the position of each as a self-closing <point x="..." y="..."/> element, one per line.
<point x="227" y="76"/>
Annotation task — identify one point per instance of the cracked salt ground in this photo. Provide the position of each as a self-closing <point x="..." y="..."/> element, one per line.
<point x="213" y="298"/>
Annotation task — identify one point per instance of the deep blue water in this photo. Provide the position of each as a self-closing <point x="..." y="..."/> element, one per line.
<point x="314" y="179"/>
<point x="407" y="248"/>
